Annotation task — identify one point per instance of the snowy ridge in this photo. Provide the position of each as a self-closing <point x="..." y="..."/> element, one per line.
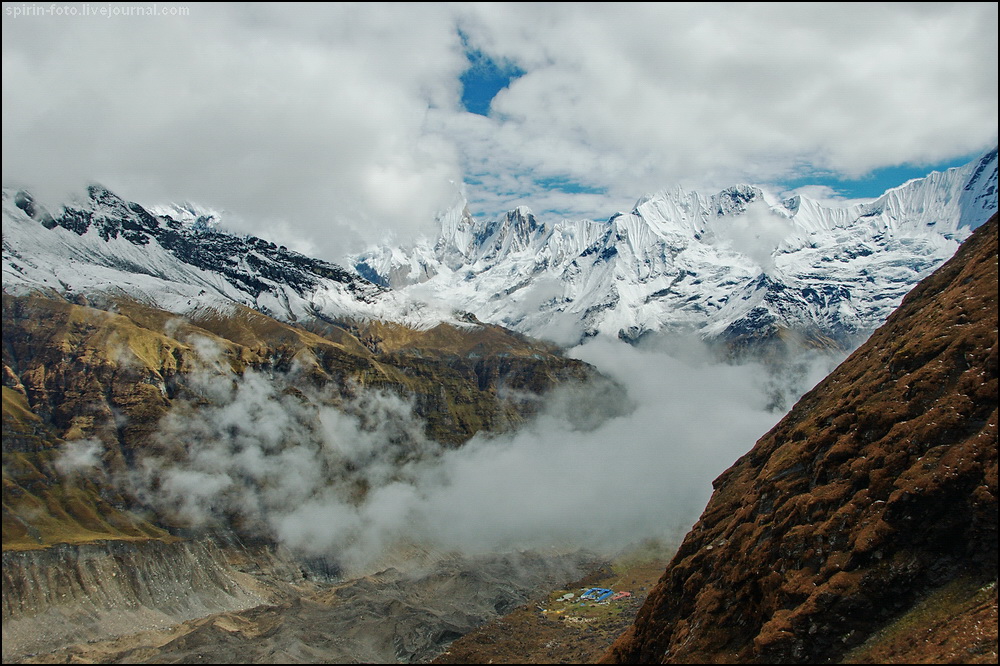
<point x="738" y="264"/>
<point x="177" y="260"/>
<point x="735" y="265"/>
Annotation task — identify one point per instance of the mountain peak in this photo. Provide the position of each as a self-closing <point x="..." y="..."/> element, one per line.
<point x="681" y="261"/>
<point x="523" y="222"/>
<point x="118" y="247"/>
<point x="734" y="200"/>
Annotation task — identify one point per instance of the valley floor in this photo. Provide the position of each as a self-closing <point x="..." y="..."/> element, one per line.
<point x="551" y="631"/>
<point x="407" y="613"/>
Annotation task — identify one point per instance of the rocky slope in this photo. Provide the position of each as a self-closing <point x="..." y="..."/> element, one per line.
<point x="75" y="593"/>
<point x="864" y="525"/>
<point x="80" y="379"/>
<point x="738" y="266"/>
<point x="397" y="615"/>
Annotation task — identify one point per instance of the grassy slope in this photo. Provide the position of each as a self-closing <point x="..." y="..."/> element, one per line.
<point x="41" y="508"/>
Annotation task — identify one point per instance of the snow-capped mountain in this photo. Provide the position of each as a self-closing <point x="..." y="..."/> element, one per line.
<point x="737" y="265"/>
<point x="174" y="257"/>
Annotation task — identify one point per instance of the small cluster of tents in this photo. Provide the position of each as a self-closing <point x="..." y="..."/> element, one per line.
<point x="597" y="595"/>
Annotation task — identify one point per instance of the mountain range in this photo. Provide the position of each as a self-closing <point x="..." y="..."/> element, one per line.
<point x="861" y="529"/>
<point x="115" y="317"/>
<point x="145" y="344"/>
<point x="735" y="266"/>
<point x="177" y="259"/>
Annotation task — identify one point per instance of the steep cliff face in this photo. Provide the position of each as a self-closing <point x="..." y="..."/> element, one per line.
<point x="866" y="520"/>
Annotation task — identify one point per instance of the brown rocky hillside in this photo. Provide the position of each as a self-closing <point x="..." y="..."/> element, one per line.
<point x="863" y="527"/>
<point x="110" y="372"/>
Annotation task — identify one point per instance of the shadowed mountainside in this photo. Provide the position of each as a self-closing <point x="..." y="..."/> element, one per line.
<point x="864" y="525"/>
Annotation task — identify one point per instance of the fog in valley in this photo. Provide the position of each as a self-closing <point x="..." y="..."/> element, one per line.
<point x="354" y="479"/>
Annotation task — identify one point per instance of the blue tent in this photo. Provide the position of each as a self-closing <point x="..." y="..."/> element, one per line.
<point x="597" y="593"/>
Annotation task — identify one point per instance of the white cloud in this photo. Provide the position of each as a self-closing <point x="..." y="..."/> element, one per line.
<point x="757" y="233"/>
<point x="284" y="115"/>
<point x="82" y="455"/>
<point x="724" y="93"/>
<point x="824" y="194"/>
<point x="329" y="127"/>
<point x="350" y="478"/>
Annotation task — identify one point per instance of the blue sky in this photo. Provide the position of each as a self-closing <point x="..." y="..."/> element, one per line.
<point x="332" y="127"/>
<point x="875" y="183"/>
<point x="485" y="78"/>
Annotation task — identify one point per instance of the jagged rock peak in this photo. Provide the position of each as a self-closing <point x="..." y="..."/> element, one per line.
<point x="521" y="224"/>
<point x="680" y="261"/>
<point x="734" y="200"/>
<point x="179" y="258"/>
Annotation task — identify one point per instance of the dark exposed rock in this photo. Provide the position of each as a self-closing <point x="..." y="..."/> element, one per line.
<point x="236" y="258"/>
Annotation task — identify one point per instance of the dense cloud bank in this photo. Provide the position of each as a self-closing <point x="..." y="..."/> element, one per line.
<point x="351" y="479"/>
<point x="327" y="128"/>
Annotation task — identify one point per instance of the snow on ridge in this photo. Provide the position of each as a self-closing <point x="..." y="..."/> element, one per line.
<point x="684" y="261"/>
<point x="189" y="214"/>
<point x="719" y="265"/>
<point x="105" y="245"/>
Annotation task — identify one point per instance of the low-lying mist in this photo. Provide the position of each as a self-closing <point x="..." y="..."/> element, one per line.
<point x="352" y="479"/>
